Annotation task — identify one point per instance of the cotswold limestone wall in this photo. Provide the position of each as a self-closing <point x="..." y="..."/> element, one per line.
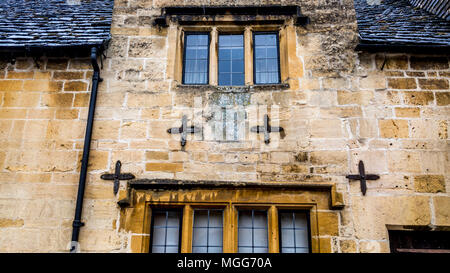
<point x="340" y="107"/>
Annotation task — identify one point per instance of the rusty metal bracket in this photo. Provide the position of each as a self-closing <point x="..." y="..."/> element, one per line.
<point x="184" y="130"/>
<point x="362" y="177"/>
<point x="117" y="176"/>
<point x="266" y="129"/>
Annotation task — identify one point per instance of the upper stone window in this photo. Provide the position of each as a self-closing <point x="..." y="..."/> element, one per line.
<point x="231" y="46"/>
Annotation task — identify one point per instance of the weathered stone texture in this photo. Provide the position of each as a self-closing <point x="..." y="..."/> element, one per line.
<point x="340" y="107"/>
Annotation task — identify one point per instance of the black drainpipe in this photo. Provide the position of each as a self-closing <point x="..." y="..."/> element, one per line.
<point x="77" y="224"/>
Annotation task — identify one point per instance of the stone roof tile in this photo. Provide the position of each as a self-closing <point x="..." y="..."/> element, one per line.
<point x="396" y="22"/>
<point x="54" y="23"/>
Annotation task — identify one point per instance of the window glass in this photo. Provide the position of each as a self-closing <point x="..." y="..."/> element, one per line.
<point x="231" y="59"/>
<point x="266" y="58"/>
<point x="252" y="231"/>
<point x="196" y="56"/>
<point x="294" y="232"/>
<point x="165" y="231"/>
<point x="207" y="231"/>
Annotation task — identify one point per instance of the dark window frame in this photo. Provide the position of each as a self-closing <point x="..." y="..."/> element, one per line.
<point x="419" y="241"/>
<point x="186" y="33"/>
<point x="308" y="223"/>
<point x="243" y="55"/>
<point x="193" y="228"/>
<point x="253" y="209"/>
<point x="277" y="35"/>
<point x="180" y="231"/>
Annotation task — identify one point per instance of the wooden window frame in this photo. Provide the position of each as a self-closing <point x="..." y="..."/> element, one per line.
<point x="320" y="199"/>
<point x="230" y="222"/>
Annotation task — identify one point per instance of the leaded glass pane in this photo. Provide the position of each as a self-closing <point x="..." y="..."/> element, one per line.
<point x="294" y="232"/>
<point x="231" y="59"/>
<point x="165" y="231"/>
<point x="266" y="58"/>
<point x="207" y="231"/>
<point x="196" y="56"/>
<point x="252" y="231"/>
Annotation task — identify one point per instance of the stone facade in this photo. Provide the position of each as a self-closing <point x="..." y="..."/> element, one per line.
<point x="389" y="110"/>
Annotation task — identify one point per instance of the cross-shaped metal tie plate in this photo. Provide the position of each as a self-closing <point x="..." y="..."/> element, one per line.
<point x="266" y="129"/>
<point x="362" y="177"/>
<point x="184" y="130"/>
<point x="117" y="176"/>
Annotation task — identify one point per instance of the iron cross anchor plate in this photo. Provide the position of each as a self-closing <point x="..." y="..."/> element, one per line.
<point x="362" y="177"/>
<point x="266" y="129"/>
<point x="117" y="176"/>
<point x="184" y="130"/>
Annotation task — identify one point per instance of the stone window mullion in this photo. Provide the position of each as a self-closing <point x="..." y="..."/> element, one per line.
<point x="213" y="59"/>
<point x="248" y="51"/>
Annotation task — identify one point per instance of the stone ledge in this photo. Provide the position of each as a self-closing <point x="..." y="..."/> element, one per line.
<point x="232" y="89"/>
<point x="173" y="184"/>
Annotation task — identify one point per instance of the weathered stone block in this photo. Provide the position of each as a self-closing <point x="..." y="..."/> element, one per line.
<point x="441" y="210"/>
<point x="404" y="161"/>
<point x="359" y="98"/>
<point x="428" y="63"/>
<point x="164" y="167"/>
<point x="373" y="213"/>
<point x="418" y="98"/>
<point x="347" y="246"/>
<point x="75" y="86"/>
<point x="328" y="157"/>
<point x="394" y="128"/>
<point x="442" y="98"/>
<point x="429" y="183"/>
<point x="20" y="75"/>
<point x="65" y="75"/>
<point x="156" y="155"/>
<point x="57" y="64"/>
<point x="433" y="84"/>
<point x="57" y="100"/>
<point x="328" y="223"/>
<point x="411" y="112"/>
<point x="147" y="47"/>
<point x="396" y="63"/>
<point x="374" y="80"/>
<point x="280" y="157"/>
<point x="11" y="85"/>
<point x="133" y="130"/>
<point x="326" y="128"/>
<point x="42" y="85"/>
<point x="402" y="83"/>
<point x="7" y="223"/>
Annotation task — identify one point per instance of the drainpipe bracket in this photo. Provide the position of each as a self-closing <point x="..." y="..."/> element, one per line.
<point x="77" y="223"/>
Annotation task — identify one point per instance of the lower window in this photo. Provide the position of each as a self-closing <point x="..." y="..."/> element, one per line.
<point x="405" y="241"/>
<point x="207" y="230"/>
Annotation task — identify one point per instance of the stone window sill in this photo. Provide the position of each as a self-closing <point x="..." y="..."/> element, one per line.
<point x="246" y="88"/>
